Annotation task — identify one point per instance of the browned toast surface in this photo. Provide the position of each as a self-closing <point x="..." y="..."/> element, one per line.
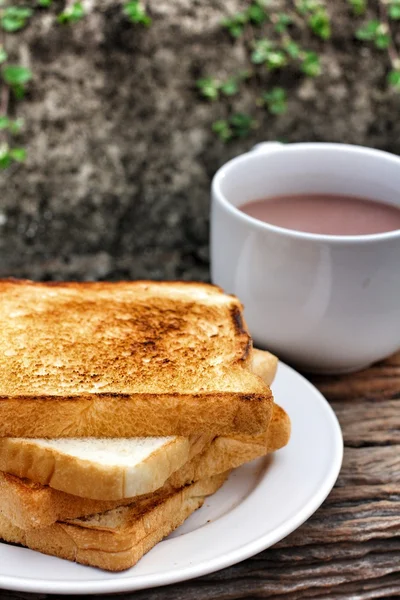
<point x="119" y="338"/>
<point x="124" y="359"/>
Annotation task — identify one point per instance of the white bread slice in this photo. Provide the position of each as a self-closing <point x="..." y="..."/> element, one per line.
<point x="110" y="469"/>
<point x="99" y="469"/>
<point x="117" y="539"/>
<point x="31" y="505"/>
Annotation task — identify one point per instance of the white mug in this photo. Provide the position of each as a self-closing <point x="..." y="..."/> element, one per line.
<point x="327" y="304"/>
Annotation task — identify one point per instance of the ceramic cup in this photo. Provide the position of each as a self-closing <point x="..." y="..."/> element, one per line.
<point x="326" y="304"/>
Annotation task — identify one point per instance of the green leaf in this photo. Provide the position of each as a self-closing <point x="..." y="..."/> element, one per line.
<point x="14" y="18"/>
<point x="8" y="155"/>
<point x="16" y="75"/>
<point x="241" y="120"/>
<point x="5" y="158"/>
<point x="230" y="87"/>
<point x="236" y="30"/>
<point x="258" y="57"/>
<point x="394" y="12"/>
<point x="12" y="126"/>
<point x="307" y="6"/>
<point x="275" y="100"/>
<point x="393" y="9"/>
<point x="238" y="125"/>
<point x="320" y="24"/>
<point x="18" y="154"/>
<point x="368" y="31"/>
<point x="44" y="3"/>
<point x="72" y="13"/>
<point x="222" y="129"/>
<point x="394" y="78"/>
<point x="382" y="41"/>
<point x="136" y="13"/>
<point x="235" y="24"/>
<point x="3" y="55"/>
<point x="358" y="7"/>
<point x="292" y="49"/>
<point x="208" y="87"/>
<point x="257" y="14"/>
<point x="265" y="52"/>
<point x="310" y="64"/>
<point x="18" y="91"/>
<point x="282" y="22"/>
<point x="276" y="60"/>
<point x="375" y="31"/>
<point x="23" y="12"/>
<point x="241" y="124"/>
<point x="262" y="49"/>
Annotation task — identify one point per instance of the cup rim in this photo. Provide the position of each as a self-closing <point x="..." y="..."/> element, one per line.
<point x="292" y="233"/>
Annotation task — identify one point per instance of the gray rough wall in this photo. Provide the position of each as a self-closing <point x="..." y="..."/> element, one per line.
<point x="120" y="149"/>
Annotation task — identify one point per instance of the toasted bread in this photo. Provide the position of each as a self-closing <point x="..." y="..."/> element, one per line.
<point x="126" y="359"/>
<point x="30" y="505"/>
<point x="109" y="469"/>
<point x="117" y="539"/>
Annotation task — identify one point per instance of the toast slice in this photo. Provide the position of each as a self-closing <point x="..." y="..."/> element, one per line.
<point x="110" y="469"/>
<point x="117" y="539"/>
<point x="126" y="359"/>
<point x="30" y="505"/>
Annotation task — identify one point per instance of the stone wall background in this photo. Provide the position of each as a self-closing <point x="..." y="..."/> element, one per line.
<point x="120" y="146"/>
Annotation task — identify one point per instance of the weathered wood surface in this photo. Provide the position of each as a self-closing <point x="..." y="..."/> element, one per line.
<point x="350" y="548"/>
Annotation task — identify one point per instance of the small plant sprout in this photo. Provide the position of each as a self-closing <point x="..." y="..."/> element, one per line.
<point x="9" y="155"/>
<point x="239" y="125"/>
<point x="394" y="10"/>
<point x="136" y="13"/>
<point x="275" y="100"/>
<point x="16" y="77"/>
<point x="72" y="13"/>
<point x="376" y="32"/>
<point x="358" y="7"/>
<point x="14" y="18"/>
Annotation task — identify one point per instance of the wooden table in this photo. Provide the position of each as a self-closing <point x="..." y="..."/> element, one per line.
<point x="350" y="548"/>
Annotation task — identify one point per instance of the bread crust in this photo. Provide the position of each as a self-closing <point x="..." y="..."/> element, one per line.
<point x="129" y="416"/>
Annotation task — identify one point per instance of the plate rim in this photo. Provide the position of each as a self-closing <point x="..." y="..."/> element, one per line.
<point x="113" y="584"/>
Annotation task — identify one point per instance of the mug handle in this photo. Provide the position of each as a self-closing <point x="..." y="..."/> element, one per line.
<point x="267" y="147"/>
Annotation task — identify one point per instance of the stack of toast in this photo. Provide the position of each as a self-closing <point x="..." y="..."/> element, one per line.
<point x="122" y="407"/>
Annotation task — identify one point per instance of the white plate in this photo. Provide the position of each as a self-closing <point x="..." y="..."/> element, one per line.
<point x="260" y="504"/>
